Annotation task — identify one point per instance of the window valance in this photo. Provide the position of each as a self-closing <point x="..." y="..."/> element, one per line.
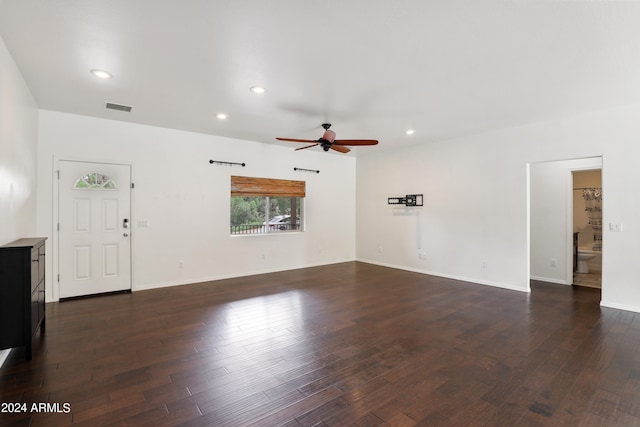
<point x="244" y="186"/>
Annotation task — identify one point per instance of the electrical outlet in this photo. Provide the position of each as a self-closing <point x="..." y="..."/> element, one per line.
<point x="180" y="263"/>
<point x="379" y="249"/>
<point x="422" y="255"/>
<point x="554" y="263"/>
<point x="484" y="263"/>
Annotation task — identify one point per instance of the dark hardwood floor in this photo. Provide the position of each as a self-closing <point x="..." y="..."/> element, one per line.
<point x="346" y="344"/>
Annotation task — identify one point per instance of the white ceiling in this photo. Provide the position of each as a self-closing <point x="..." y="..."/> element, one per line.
<point x="374" y="69"/>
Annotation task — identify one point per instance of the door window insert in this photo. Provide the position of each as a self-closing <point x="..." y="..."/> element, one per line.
<point x="95" y="181"/>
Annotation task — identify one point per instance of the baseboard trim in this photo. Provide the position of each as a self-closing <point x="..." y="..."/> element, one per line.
<point x="231" y="276"/>
<point x="550" y="280"/>
<point x="450" y="276"/>
<point x="617" y="306"/>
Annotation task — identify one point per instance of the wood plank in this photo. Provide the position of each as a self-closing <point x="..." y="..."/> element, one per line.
<point x="348" y="343"/>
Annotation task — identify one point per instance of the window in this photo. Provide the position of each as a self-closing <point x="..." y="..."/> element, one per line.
<point x="94" y="181"/>
<point x="261" y="205"/>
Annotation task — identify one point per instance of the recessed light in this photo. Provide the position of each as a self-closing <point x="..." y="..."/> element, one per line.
<point x="101" y="74"/>
<point x="257" y="89"/>
<point x="222" y="116"/>
<point x="410" y="132"/>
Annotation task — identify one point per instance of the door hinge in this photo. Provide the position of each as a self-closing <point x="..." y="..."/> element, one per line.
<point x="58" y="227"/>
<point x="133" y="185"/>
<point x="58" y="174"/>
<point x="58" y="278"/>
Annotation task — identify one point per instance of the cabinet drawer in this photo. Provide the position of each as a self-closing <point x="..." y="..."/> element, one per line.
<point x="37" y="308"/>
<point x="41" y="264"/>
<point x="35" y="268"/>
<point x="35" y="316"/>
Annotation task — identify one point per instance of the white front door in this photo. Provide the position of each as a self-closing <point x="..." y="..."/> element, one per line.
<point x="94" y="228"/>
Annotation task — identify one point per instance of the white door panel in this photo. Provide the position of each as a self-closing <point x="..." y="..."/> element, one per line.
<point x="94" y="238"/>
<point x="82" y="262"/>
<point x="110" y="215"/>
<point x="110" y="260"/>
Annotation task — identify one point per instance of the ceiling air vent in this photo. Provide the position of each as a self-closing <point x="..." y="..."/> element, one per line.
<point x="119" y="107"/>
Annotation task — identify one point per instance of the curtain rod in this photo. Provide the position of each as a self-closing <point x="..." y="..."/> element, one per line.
<point x="220" y="162"/>
<point x="587" y="188"/>
<point x="306" y="170"/>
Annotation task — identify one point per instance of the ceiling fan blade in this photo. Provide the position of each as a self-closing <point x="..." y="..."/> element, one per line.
<point x="340" y="148"/>
<point x="295" y="140"/>
<point x="308" y="146"/>
<point x="355" y="141"/>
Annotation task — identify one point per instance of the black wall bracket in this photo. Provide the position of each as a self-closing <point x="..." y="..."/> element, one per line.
<point x="408" y="200"/>
<point x="306" y="170"/>
<point x="218" y="162"/>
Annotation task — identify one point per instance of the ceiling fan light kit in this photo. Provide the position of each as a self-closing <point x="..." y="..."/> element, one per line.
<point x="328" y="141"/>
<point x="329" y="136"/>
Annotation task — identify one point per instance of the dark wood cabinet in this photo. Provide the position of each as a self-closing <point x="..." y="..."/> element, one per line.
<point x="22" y="292"/>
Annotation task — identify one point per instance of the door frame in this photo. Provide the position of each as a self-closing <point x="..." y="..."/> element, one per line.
<point x="570" y="215"/>
<point x="568" y="188"/>
<point x="55" y="244"/>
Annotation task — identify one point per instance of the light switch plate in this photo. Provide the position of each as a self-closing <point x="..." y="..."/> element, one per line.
<point x="615" y="227"/>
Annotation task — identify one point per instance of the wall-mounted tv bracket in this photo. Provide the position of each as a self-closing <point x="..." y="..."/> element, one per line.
<point x="219" y="162"/>
<point x="408" y="200"/>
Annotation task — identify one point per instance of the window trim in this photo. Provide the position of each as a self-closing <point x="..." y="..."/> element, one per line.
<point x="242" y="186"/>
<point x="264" y="229"/>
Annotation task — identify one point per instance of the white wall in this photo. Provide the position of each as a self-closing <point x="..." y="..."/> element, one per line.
<point x="551" y="218"/>
<point x="18" y="145"/>
<point x="186" y="200"/>
<point x="466" y="219"/>
<point x="476" y="205"/>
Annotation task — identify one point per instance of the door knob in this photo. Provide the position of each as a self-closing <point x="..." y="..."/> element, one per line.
<point x="125" y="223"/>
<point x="125" y="234"/>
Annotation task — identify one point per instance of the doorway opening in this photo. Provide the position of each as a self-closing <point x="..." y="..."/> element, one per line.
<point x="587" y="228"/>
<point x="553" y="246"/>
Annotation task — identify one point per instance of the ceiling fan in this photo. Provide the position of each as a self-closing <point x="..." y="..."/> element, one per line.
<point x="329" y="141"/>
